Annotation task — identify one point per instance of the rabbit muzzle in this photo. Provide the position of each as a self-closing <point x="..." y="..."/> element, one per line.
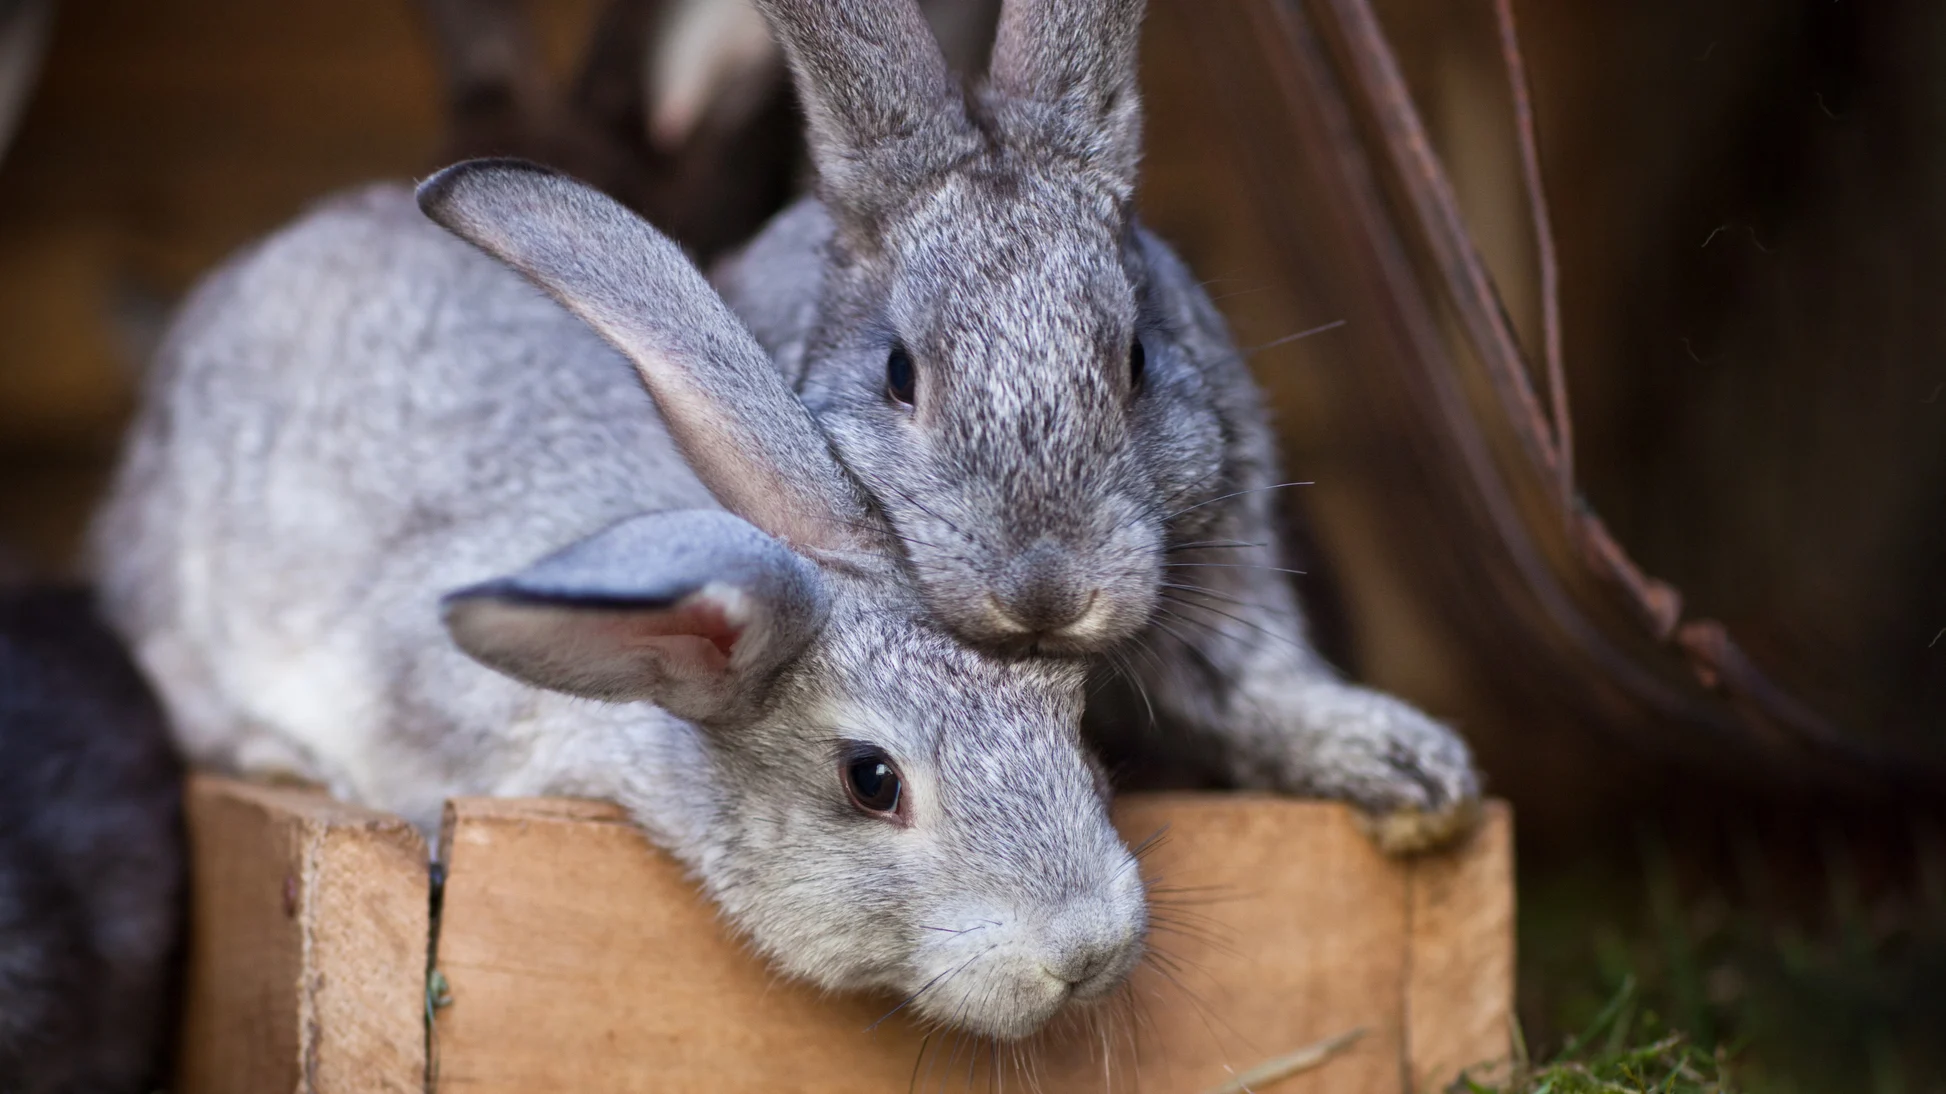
<point x="1005" y="972"/>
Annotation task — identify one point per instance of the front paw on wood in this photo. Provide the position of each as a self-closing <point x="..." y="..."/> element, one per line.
<point x="1410" y="831"/>
<point x="1430" y="795"/>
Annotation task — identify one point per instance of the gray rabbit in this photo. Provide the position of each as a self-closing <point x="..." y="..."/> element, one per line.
<point x="372" y="462"/>
<point x="91" y="860"/>
<point x="1045" y="405"/>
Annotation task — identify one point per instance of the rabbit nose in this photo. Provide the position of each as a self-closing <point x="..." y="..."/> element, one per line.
<point x="1095" y="959"/>
<point x="1086" y="965"/>
<point x="1044" y="590"/>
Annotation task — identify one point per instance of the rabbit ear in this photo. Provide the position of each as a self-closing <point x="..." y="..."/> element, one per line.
<point x="693" y="611"/>
<point x="884" y="110"/>
<point x="728" y="408"/>
<point x="1065" y="74"/>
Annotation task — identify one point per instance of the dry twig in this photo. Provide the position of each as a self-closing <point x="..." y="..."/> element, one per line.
<point x="1272" y="1072"/>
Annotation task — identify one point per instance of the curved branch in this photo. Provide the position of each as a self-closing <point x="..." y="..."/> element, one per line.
<point x="1770" y="713"/>
<point x="1549" y="263"/>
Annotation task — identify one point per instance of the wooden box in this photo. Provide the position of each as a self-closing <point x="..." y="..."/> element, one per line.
<point x="568" y="954"/>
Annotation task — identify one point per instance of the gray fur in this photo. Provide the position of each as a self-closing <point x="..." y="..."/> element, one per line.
<point x="1044" y="501"/>
<point x="1062" y="82"/>
<point x="878" y="98"/>
<point x="364" y="415"/>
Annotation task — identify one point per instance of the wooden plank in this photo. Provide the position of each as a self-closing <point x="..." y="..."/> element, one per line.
<point x="309" y="927"/>
<point x="579" y="957"/>
<point x="1307" y="922"/>
<point x="1460" y="984"/>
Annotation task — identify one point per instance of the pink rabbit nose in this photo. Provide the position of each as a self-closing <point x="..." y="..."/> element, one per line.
<point x="1044" y="590"/>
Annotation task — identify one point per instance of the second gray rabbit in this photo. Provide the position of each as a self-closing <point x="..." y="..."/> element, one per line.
<point x="1045" y="404"/>
<point x="371" y="461"/>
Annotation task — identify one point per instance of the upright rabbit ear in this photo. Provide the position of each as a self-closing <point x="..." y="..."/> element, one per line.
<point x="746" y="435"/>
<point x="883" y="107"/>
<point x="1065" y="74"/>
<point x="693" y="611"/>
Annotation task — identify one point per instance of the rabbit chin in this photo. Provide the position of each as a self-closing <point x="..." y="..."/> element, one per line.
<point x="1005" y="979"/>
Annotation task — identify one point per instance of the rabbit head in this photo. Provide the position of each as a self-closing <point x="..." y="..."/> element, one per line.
<point x="876" y="805"/>
<point x="1000" y="353"/>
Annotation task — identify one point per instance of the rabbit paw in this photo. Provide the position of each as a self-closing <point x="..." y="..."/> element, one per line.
<point x="1411" y="778"/>
<point x="1410" y="831"/>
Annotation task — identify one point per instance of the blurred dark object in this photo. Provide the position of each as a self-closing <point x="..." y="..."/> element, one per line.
<point x="678" y="108"/>
<point x="712" y="187"/>
<point x="24" y="26"/>
<point x="91" y="858"/>
<point x="12" y="570"/>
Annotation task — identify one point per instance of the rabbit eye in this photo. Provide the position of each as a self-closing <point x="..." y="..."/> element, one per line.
<point x="1138" y="363"/>
<point x="899" y="376"/>
<point x="872" y="782"/>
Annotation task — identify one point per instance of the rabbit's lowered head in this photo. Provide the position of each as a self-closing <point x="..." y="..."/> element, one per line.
<point x="1029" y="384"/>
<point x="874" y="803"/>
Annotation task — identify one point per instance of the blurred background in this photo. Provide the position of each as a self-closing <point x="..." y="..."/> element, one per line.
<point x="1749" y="208"/>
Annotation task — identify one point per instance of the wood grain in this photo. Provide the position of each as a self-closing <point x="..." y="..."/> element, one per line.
<point x="1459" y="998"/>
<point x="579" y="957"/>
<point x="308" y="936"/>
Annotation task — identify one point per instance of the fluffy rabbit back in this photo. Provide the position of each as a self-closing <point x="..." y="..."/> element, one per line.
<point x="437" y="422"/>
<point x="90" y="855"/>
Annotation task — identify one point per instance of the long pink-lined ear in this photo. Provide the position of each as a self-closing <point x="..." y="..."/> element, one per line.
<point x="694" y="611"/>
<point x="728" y="408"/>
<point x="1065" y="74"/>
<point x="883" y="108"/>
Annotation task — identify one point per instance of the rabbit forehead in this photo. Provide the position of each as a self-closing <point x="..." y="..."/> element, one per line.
<point x="1049" y="236"/>
<point x="887" y="676"/>
<point x="1019" y="303"/>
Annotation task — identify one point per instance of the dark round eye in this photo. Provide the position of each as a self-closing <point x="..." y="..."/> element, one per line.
<point x="899" y="375"/>
<point x="1138" y="362"/>
<point x="872" y="782"/>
